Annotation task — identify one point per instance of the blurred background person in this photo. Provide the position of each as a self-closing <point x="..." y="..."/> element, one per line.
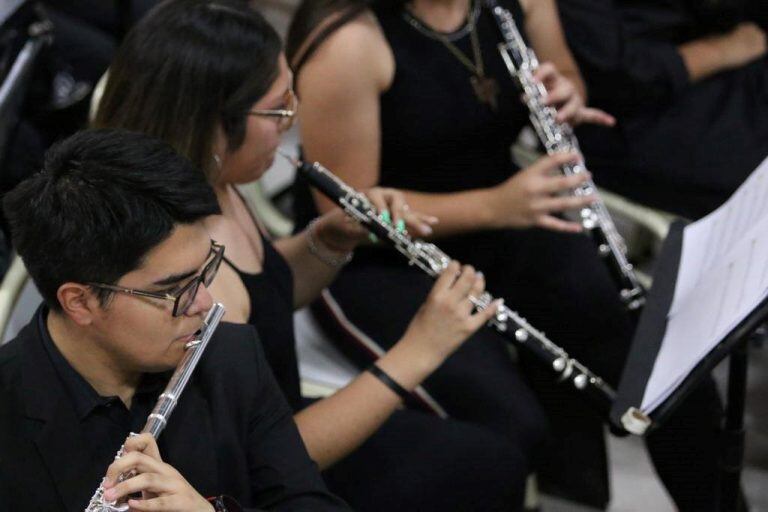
<point x="688" y="83"/>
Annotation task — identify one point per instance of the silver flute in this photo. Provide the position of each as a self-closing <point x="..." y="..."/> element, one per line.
<point x="166" y="402"/>
<point x="433" y="261"/>
<point x="558" y="137"/>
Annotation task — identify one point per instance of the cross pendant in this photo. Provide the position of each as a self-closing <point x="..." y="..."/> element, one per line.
<point x="486" y="90"/>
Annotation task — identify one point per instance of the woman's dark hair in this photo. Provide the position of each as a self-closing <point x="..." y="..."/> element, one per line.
<point x="103" y="200"/>
<point x="188" y="67"/>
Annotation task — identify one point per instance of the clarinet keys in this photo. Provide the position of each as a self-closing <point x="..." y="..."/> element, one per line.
<point x="588" y="219"/>
<point x="556" y="137"/>
<point x="433" y="261"/>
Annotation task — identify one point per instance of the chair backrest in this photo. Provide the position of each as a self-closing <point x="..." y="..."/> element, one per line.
<point x="19" y="299"/>
<point x="262" y="207"/>
<point x="98" y="92"/>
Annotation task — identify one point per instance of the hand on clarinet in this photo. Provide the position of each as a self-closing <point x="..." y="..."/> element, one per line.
<point x="447" y="317"/>
<point x="563" y="95"/>
<point x="340" y="233"/>
<point x="393" y="201"/>
<point x="162" y="488"/>
<point x="533" y="196"/>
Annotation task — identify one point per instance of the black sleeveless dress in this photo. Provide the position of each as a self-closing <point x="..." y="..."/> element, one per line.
<point x="415" y="461"/>
<point x="271" y="295"/>
<point x="437" y="137"/>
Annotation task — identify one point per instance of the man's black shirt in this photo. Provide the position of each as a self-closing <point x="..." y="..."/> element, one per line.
<point x="106" y="418"/>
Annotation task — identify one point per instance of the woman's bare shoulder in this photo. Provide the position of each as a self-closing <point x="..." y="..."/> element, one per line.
<point x="358" y="48"/>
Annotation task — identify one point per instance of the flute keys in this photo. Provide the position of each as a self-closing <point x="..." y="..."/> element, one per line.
<point x="558" y="364"/>
<point x="521" y="335"/>
<point x="580" y="381"/>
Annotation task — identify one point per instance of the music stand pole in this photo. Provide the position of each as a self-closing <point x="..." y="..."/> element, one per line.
<point x="733" y="431"/>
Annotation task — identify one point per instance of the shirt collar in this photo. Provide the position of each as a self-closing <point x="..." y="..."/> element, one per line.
<point x="83" y="395"/>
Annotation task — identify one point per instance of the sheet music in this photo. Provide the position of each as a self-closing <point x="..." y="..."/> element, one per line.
<point x="723" y="275"/>
<point x="707" y="240"/>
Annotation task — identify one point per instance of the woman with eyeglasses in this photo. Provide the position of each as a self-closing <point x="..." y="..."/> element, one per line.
<point x="210" y="78"/>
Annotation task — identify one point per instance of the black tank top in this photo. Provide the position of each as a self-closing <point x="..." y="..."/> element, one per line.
<point x="435" y="134"/>
<point x="271" y="296"/>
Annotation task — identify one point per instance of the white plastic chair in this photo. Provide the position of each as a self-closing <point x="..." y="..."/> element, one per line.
<point x="273" y="219"/>
<point x="19" y="299"/>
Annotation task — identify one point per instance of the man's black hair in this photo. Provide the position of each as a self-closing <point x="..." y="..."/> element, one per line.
<point x="103" y="200"/>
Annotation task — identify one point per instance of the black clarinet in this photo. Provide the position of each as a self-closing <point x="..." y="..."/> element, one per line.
<point x="556" y="137"/>
<point x="433" y="261"/>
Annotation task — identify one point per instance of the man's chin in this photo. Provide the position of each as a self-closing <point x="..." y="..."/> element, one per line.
<point x="172" y="357"/>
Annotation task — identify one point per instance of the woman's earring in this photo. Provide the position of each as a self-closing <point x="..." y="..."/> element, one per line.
<point x="217" y="159"/>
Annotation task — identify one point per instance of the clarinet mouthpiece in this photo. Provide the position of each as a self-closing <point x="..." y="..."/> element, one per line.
<point x="292" y="159"/>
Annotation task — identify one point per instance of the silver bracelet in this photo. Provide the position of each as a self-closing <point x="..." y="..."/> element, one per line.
<point x="325" y="255"/>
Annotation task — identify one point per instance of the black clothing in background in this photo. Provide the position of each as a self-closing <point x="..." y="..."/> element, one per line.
<point x="415" y="461"/>
<point x="679" y="146"/>
<point x="231" y="432"/>
<point x="86" y="34"/>
<point x="113" y="17"/>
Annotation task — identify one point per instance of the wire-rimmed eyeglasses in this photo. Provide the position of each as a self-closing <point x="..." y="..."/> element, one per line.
<point x="287" y="115"/>
<point x="184" y="297"/>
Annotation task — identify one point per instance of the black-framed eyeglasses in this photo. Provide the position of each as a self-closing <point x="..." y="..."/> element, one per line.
<point x="286" y="116"/>
<point x="185" y="296"/>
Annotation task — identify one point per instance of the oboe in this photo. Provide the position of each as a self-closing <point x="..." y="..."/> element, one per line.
<point x="558" y="137"/>
<point x="166" y="402"/>
<point x="433" y="261"/>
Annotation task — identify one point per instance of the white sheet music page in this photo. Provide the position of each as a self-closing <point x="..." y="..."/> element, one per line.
<point x="723" y="275"/>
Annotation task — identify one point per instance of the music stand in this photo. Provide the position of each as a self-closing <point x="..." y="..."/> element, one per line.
<point x="626" y="414"/>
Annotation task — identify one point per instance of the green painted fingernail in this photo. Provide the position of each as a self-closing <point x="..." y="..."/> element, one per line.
<point x="373" y="238"/>
<point x="384" y="216"/>
<point x="401" y="226"/>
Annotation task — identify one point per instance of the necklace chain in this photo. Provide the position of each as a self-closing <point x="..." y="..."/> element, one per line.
<point x="475" y="67"/>
<point x="428" y="31"/>
<point x="486" y="89"/>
